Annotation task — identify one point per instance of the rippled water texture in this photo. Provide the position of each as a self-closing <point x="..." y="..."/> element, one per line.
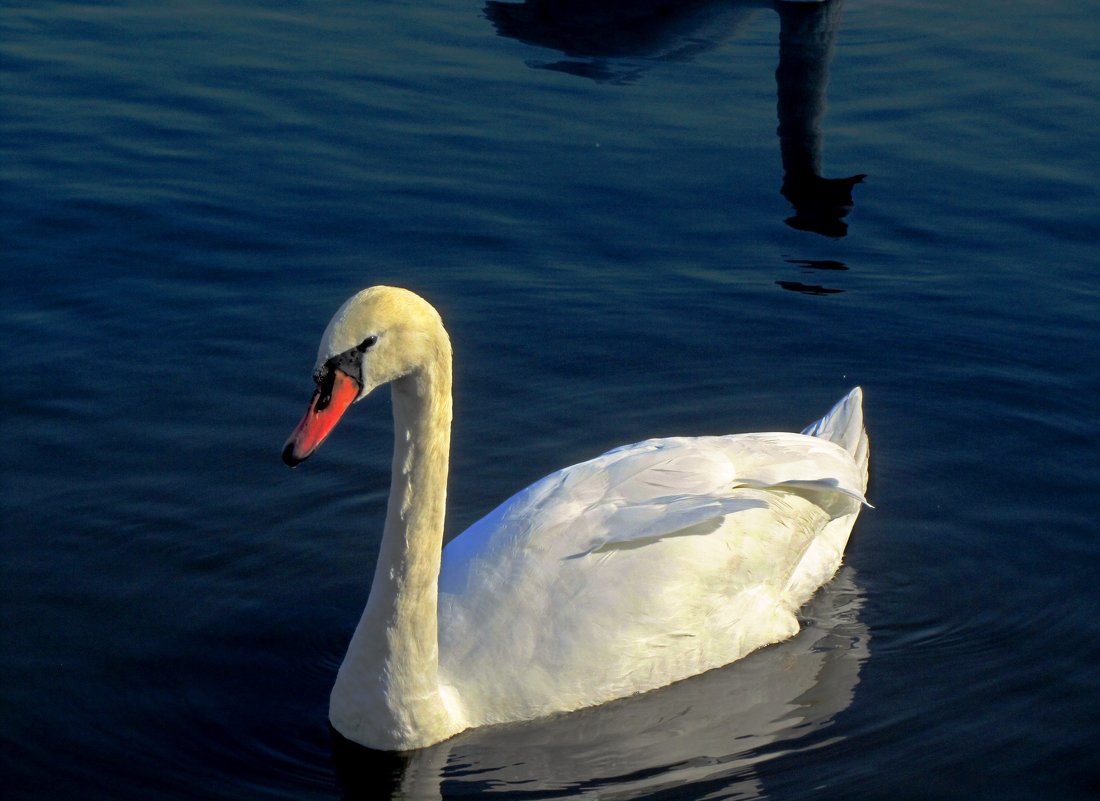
<point x="637" y="220"/>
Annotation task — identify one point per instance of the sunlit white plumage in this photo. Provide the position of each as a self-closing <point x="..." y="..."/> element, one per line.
<point x="646" y="565"/>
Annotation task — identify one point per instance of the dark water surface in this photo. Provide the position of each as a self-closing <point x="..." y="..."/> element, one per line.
<point x="596" y="198"/>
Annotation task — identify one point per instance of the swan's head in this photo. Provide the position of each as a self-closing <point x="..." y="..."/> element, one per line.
<point x="379" y="335"/>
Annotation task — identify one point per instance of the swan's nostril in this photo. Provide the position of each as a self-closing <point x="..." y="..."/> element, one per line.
<point x="324" y="391"/>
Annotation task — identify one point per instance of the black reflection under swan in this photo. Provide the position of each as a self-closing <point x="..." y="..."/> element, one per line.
<point x="716" y="731"/>
<point x="599" y="37"/>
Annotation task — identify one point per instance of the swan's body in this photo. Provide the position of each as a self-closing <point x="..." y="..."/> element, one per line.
<point x="644" y="566"/>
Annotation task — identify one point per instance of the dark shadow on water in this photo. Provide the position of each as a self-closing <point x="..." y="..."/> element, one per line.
<point x="615" y="42"/>
<point x="711" y="733"/>
<point x="606" y="32"/>
<point x="807" y="34"/>
<point x="364" y="773"/>
<point x="819" y="264"/>
<point x="830" y="265"/>
<point x="808" y="289"/>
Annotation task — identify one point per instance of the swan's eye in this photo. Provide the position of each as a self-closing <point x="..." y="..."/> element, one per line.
<point x="366" y="343"/>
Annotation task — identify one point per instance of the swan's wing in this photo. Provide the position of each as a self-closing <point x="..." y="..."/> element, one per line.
<point x="647" y="491"/>
<point x="646" y="564"/>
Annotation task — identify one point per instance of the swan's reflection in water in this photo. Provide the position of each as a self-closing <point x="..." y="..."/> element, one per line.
<point x="807" y="33"/>
<point x="712" y="729"/>
<point x="603" y="39"/>
<point x="810" y="266"/>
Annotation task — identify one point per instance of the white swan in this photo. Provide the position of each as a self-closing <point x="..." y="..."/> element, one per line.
<point x="646" y="565"/>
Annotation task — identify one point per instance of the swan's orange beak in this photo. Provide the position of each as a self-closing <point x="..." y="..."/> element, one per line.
<point x="330" y="400"/>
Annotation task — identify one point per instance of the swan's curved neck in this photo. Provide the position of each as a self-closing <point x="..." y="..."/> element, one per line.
<point x="387" y="693"/>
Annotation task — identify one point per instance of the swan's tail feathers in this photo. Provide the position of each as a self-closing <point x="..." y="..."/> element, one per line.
<point x="844" y="426"/>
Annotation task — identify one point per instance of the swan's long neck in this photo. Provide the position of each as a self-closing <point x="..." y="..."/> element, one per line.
<point x="387" y="693"/>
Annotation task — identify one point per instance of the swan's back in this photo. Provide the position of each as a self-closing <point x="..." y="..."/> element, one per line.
<point x="646" y="565"/>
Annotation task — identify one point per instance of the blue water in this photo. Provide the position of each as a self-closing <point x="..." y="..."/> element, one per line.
<point x="636" y="222"/>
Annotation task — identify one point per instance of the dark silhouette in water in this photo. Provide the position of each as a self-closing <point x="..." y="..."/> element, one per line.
<point x="364" y="773"/>
<point x="813" y="264"/>
<point x="807" y="33"/>
<point x="601" y="36"/>
<point x="606" y="29"/>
